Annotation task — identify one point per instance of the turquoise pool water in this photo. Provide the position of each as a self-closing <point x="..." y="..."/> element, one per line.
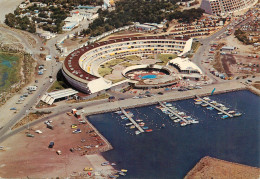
<point x="149" y="77"/>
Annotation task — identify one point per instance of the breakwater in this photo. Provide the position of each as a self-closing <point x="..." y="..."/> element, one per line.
<point x="169" y="96"/>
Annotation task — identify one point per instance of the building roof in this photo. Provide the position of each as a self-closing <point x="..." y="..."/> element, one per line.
<point x="71" y="63"/>
<point x="49" y="98"/>
<point x="98" y="85"/>
<point x="185" y="64"/>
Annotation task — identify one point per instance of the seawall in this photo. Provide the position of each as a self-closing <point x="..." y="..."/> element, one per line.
<point x="169" y="96"/>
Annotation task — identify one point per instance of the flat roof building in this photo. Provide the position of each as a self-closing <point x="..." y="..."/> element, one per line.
<point x="218" y="7"/>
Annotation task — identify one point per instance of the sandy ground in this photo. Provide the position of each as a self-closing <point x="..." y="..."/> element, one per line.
<point x="8" y="6"/>
<point x="232" y="41"/>
<point x="219" y="169"/>
<point x="31" y="156"/>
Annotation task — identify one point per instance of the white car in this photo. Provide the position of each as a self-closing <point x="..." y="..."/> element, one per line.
<point x="38" y="132"/>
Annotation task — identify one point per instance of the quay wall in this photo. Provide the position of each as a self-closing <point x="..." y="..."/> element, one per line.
<point x="168" y="96"/>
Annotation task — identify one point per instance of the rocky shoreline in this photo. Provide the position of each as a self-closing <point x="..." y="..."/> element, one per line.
<point x="209" y="167"/>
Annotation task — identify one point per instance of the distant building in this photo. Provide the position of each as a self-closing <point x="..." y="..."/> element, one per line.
<point x="145" y="27"/>
<point x="228" y="48"/>
<point x="48" y="58"/>
<point x="46" y="35"/>
<point x="218" y="7"/>
<point x="108" y="3"/>
<point x="69" y="26"/>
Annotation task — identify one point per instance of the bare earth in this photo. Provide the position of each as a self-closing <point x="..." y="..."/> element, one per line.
<point x="31" y="156"/>
<point x="219" y="169"/>
<point x="8" y="6"/>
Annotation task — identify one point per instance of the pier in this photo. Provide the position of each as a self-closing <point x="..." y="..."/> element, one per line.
<point x="132" y="120"/>
<point x="173" y="112"/>
<point x="217" y="108"/>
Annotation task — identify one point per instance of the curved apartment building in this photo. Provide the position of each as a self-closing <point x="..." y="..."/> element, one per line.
<point x="218" y="7"/>
<point x="80" y="67"/>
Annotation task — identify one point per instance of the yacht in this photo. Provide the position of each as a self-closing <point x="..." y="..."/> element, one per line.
<point x="238" y="114"/>
<point x="137" y="132"/>
<point x="224" y="117"/>
<point x="204" y="105"/>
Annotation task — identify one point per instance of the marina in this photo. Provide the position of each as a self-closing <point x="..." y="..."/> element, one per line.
<point x="173" y="139"/>
<point x="213" y="106"/>
<point x="132" y="121"/>
<point x="176" y="114"/>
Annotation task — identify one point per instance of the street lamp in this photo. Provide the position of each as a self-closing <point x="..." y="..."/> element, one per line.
<point x="27" y="113"/>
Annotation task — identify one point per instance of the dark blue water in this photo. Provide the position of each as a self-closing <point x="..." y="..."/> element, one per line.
<point x="173" y="151"/>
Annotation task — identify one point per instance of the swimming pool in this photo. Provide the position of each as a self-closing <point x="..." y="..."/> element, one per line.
<point x="149" y="77"/>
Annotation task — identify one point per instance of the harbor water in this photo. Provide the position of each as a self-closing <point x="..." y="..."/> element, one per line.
<point x="172" y="151"/>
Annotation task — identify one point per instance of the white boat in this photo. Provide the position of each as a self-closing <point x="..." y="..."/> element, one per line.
<point x="183" y="124"/>
<point x="238" y="114"/>
<point x="231" y="112"/>
<point x="132" y="127"/>
<point x="194" y="121"/>
<point x="139" y="120"/>
<point x="181" y="113"/>
<point x="137" y="132"/>
<point x="220" y="113"/>
<point x="199" y="102"/>
<point x="129" y="124"/>
<point x="206" y="98"/>
<point x="168" y="104"/>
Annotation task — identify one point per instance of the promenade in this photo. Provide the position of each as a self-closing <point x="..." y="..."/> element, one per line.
<point x="169" y="96"/>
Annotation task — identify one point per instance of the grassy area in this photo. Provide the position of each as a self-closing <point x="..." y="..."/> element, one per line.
<point x="195" y="46"/>
<point x="57" y="85"/>
<point x="127" y="64"/>
<point x="165" y="58"/>
<point x="133" y="58"/>
<point x="106" y="68"/>
<point x="105" y="71"/>
<point x="112" y="63"/>
<point x="29" y="118"/>
<point x="9" y="69"/>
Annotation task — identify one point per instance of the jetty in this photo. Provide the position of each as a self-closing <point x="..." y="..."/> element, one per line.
<point x="212" y="105"/>
<point x="168" y="109"/>
<point x="132" y="120"/>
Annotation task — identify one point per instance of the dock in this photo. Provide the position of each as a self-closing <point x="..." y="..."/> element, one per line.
<point x="168" y="109"/>
<point x="217" y="108"/>
<point x="132" y="120"/>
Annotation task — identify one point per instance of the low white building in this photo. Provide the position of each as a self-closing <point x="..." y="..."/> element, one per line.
<point x="47" y="35"/>
<point x="48" y="58"/>
<point x="69" y="26"/>
<point x="184" y="65"/>
<point x="145" y="27"/>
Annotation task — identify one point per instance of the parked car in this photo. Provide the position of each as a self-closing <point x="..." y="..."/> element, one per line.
<point x="38" y="132"/>
<point x="29" y="135"/>
<point x="51" y="144"/>
<point x="58" y="152"/>
<point x="76" y="131"/>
